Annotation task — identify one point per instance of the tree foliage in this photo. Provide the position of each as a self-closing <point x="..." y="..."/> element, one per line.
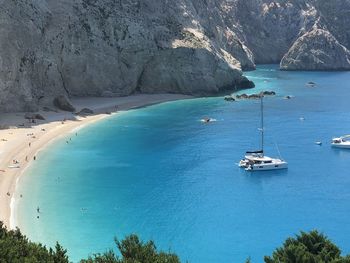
<point x="312" y="247"/>
<point x="15" y="247"/>
<point x="133" y="250"/>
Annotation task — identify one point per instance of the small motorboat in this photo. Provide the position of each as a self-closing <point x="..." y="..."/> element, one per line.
<point x="341" y="142"/>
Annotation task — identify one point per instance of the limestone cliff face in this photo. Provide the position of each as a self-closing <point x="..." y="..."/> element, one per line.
<point x="120" y="47"/>
<point x="317" y="50"/>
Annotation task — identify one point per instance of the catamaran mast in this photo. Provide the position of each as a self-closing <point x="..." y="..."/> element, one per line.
<point x="262" y="123"/>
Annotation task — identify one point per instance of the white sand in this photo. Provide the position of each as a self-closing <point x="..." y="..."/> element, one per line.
<point x="21" y="143"/>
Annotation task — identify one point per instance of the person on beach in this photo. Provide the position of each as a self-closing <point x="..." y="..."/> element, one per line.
<point x="34" y="157"/>
<point x="26" y="158"/>
<point x="30" y="144"/>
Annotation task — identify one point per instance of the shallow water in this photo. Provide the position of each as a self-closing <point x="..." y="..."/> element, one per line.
<point x="161" y="173"/>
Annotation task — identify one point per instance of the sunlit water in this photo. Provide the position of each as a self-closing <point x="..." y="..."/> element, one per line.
<point x="161" y="173"/>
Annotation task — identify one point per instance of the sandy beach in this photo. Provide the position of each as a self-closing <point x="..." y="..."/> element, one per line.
<point x="20" y="140"/>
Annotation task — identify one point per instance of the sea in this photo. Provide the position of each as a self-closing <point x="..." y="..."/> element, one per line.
<point x="163" y="174"/>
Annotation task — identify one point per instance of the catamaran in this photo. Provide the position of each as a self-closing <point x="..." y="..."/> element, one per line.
<point x="341" y="142"/>
<point x="256" y="160"/>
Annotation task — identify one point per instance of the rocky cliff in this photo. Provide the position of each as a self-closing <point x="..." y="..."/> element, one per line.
<point x="120" y="47"/>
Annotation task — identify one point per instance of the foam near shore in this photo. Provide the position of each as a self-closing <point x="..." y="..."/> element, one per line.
<point x="20" y="140"/>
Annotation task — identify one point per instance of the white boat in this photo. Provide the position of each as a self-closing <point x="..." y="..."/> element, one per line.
<point x="341" y="142"/>
<point x="256" y="160"/>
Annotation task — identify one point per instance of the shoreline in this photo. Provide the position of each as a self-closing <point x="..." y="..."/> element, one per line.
<point x="21" y="140"/>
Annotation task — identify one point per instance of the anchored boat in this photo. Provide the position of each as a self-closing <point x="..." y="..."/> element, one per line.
<point x="341" y="142"/>
<point x="256" y="160"/>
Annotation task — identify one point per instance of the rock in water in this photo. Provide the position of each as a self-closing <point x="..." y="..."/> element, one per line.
<point x="229" y="98"/>
<point x="317" y="50"/>
<point x="268" y="93"/>
<point x="63" y="103"/>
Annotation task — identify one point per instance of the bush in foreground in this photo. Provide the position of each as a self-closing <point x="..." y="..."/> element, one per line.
<point x="134" y="251"/>
<point x="312" y="247"/>
<point x="15" y="247"/>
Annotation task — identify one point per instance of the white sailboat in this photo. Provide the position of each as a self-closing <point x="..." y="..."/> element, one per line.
<point x="341" y="142"/>
<point x="256" y="160"/>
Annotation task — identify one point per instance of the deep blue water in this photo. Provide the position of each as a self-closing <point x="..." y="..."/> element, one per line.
<point x="161" y="173"/>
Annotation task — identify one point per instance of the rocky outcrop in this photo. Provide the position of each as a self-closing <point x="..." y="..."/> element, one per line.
<point x="317" y="50"/>
<point x="85" y="111"/>
<point x="174" y="70"/>
<point x="63" y="103"/>
<point x="33" y="116"/>
<point x="117" y="48"/>
<point x="245" y="83"/>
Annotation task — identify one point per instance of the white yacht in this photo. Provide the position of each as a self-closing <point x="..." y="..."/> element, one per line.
<point x="341" y="142"/>
<point x="256" y="160"/>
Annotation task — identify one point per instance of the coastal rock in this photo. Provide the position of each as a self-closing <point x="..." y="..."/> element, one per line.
<point x="244" y="83"/>
<point x="229" y="98"/>
<point x="85" y="111"/>
<point x="111" y="48"/>
<point x="63" y="103"/>
<point x="268" y="93"/>
<point x="255" y="96"/>
<point x="317" y="50"/>
<point x="34" y="116"/>
<point x="188" y="71"/>
<point x="242" y="96"/>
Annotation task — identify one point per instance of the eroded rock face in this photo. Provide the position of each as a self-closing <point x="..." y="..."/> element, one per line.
<point x="116" y="48"/>
<point x="317" y="50"/>
<point x="174" y="70"/>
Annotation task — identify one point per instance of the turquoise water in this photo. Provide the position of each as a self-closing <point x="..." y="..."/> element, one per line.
<point x="161" y="173"/>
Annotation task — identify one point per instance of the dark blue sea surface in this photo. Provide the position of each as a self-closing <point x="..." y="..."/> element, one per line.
<point x="161" y="173"/>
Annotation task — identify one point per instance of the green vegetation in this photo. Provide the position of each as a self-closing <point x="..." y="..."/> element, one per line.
<point x="312" y="247"/>
<point x="134" y="251"/>
<point x="14" y="247"/>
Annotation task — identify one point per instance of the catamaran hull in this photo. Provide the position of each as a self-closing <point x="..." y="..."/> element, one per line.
<point x="253" y="168"/>
<point x="343" y="146"/>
